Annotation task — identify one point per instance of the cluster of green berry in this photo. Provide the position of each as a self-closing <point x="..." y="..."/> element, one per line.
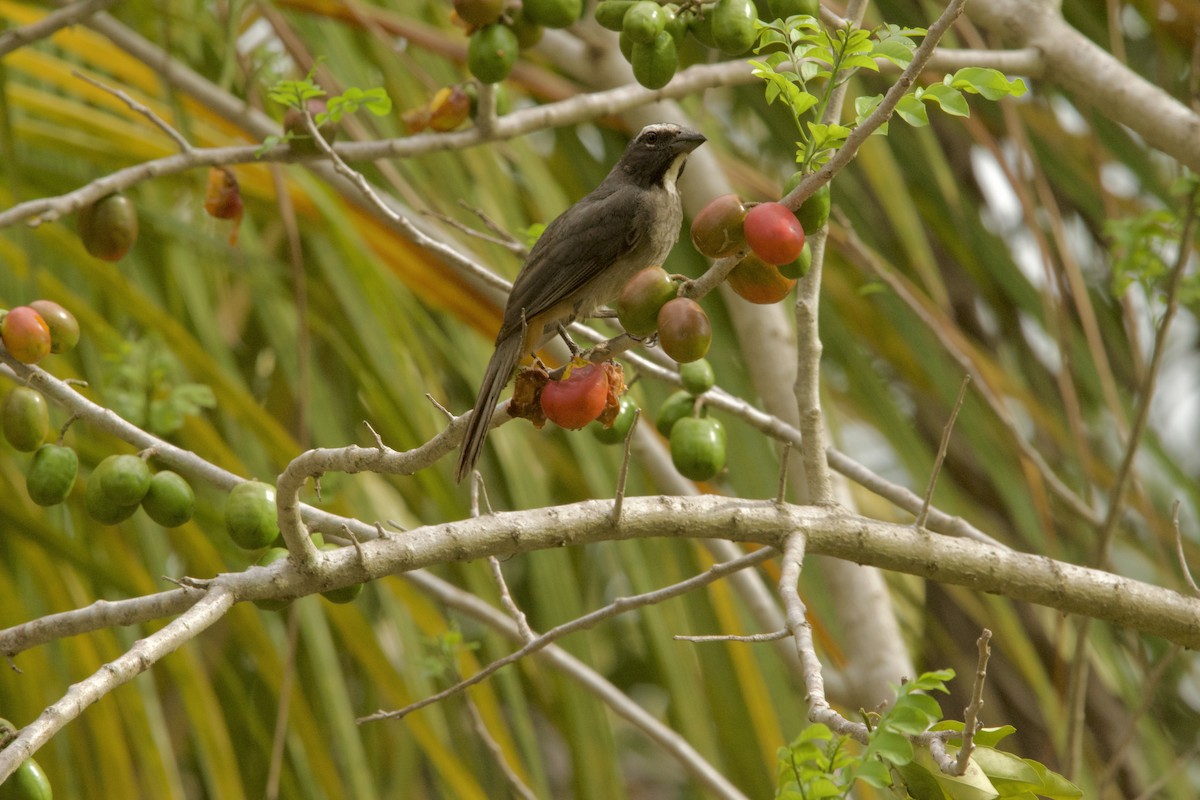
<point x="499" y="34"/>
<point x="652" y="33"/>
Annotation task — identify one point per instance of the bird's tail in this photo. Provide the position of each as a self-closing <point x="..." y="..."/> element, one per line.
<point x="499" y="370"/>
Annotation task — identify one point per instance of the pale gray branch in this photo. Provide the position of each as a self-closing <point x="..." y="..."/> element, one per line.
<point x="144" y="654"/>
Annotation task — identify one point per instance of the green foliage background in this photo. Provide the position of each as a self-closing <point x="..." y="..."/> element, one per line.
<point x="385" y="324"/>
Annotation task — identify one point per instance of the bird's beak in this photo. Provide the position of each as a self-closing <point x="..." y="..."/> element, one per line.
<point x="687" y="141"/>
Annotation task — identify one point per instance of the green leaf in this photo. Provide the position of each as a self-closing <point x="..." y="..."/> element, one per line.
<point x="972" y="785"/>
<point x="294" y="94"/>
<point x="910" y="718"/>
<point x="989" y="83"/>
<point x="825" y="136"/>
<point x="865" y="106"/>
<point x="817" y="732"/>
<point x="990" y="737"/>
<point x="933" y="681"/>
<point x="874" y="773"/>
<point x="950" y="99"/>
<point x="998" y="765"/>
<point x="894" y="748"/>
<point x="920" y="783"/>
<point x="822" y="788"/>
<point x="773" y="60"/>
<point x="1054" y="786"/>
<point x="897" y="50"/>
<point x="769" y="36"/>
<point x="858" y="61"/>
<point x="912" y="110"/>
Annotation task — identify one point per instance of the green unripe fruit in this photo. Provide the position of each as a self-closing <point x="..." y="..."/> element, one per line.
<point x="814" y="212"/>
<point x="625" y="45"/>
<point x="733" y="25"/>
<point x="644" y="22"/>
<point x="677" y="406"/>
<point x="677" y="26"/>
<point x="478" y="12"/>
<point x="492" y="52"/>
<point x="28" y="782"/>
<point x="782" y="9"/>
<point x="642" y="297"/>
<point x="346" y="594"/>
<point x="268" y="558"/>
<point x="170" y="500"/>
<point x="800" y="267"/>
<point x="64" y="328"/>
<point x="250" y="515"/>
<point x="697" y="376"/>
<point x="51" y="474"/>
<point x="553" y="13"/>
<point x="101" y="507"/>
<point x="616" y="433"/>
<point x="698" y="448"/>
<point x="654" y="64"/>
<point x="611" y="13"/>
<point x="26" y="419"/>
<point x="108" y="227"/>
<point x="527" y="31"/>
<point x="125" y="479"/>
<point x="701" y="27"/>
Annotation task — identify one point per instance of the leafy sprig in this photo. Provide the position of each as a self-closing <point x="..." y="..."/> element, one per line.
<point x="819" y="765"/>
<point x="298" y="93"/>
<point x="798" y="53"/>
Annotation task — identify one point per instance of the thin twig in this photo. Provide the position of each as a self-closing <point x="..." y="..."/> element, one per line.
<point x="958" y="350"/>
<point x="506" y="598"/>
<point x="1183" y="565"/>
<point x="506" y="238"/>
<point x="509" y="244"/>
<point x="183" y="144"/>
<point x="1149" y="688"/>
<point x="971" y="714"/>
<point x="618" y="606"/>
<point x="943" y="446"/>
<point x="1141" y="418"/>
<point x="623" y="474"/>
<point x="489" y="742"/>
<point x="781" y="489"/>
<point x="672" y="744"/>
<point x="50" y="24"/>
<point x="750" y="638"/>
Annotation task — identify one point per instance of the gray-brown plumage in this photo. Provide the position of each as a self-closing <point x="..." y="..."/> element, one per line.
<point x="583" y="258"/>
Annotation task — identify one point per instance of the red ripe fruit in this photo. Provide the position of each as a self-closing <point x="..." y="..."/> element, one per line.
<point x="26" y="335"/>
<point x="774" y="233"/>
<point x="223" y="199"/>
<point x="578" y="398"/>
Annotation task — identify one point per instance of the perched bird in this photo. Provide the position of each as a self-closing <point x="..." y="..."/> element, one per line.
<point x="583" y="258"/>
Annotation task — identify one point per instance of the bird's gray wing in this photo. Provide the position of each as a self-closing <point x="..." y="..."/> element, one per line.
<point x="575" y="247"/>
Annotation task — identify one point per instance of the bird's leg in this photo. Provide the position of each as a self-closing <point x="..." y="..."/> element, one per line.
<point x="566" y="337"/>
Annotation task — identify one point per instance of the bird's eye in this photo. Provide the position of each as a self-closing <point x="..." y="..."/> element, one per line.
<point x="651" y="137"/>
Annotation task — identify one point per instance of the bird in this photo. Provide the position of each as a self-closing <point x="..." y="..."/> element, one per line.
<point x="630" y="221"/>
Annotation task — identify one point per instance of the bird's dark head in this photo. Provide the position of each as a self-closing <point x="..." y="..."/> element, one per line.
<point x="657" y="154"/>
